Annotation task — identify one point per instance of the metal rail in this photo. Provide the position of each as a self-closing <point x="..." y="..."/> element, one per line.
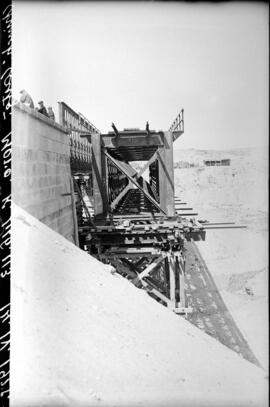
<point x="80" y="148"/>
<point x="178" y="123"/>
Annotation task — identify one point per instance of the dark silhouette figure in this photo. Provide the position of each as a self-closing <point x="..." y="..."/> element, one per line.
<point x="42" y="109"/>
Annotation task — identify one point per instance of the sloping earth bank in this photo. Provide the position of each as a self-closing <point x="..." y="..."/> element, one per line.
<point x="237" y="258"/>
<point x="81" y="336"/>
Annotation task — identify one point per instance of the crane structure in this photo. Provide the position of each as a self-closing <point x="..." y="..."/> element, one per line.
<point x="134" y="222"/>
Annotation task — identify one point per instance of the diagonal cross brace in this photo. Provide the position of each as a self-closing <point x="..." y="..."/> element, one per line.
<point x="148" y="269"/>
<point x="118" y="165"/>
<point x="152" y="159"/>
<point x="84" y="205"/>
<point x="121" y="195"/>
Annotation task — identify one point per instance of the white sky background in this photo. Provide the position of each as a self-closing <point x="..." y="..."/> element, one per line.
<point x="131" y="62"/>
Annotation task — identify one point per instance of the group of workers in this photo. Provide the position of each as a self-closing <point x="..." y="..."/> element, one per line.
<point x="28" y="101"/>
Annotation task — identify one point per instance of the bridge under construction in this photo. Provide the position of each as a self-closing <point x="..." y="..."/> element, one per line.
<point x="113" y="195"/>
<point x="130" y="220"/>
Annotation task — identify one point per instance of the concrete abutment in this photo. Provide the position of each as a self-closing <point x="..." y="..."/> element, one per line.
<point x="41" y="169"/>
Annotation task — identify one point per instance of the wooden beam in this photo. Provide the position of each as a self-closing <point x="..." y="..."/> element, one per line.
<point x="217" y="223"/>
<point x="84" y="205"/>
<point x="135" y="251"/>
<point x="148" y="269"/>
<point x="122" y="268"/>
<point x="115" y="130"/>
<point x="166" y="175"/>
<point x="140" y="261"/>
<point x="183" y="214"/>
<point x="121" y="195"/>
<point x="74" y="213"/>
<point x="182" y="310"/>
<point x="141" y="216"/>
<point x="171" y="263"/>
<point x="184" y="209"/>
<point x="120" y="167"/>
<point x="181" y="270"/>
<point x="224" y="227"/>
<point x="153" y="140"/>
<point x="129" y="264"/>
<point x="97" y="174"/>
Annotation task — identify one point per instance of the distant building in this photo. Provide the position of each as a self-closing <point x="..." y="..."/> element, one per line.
<point x="211" y="163"/>
<point x="184" y="164"/>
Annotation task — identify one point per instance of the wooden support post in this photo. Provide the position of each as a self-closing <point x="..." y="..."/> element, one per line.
<point x="166" y="274"/>
<point x="84" y="205"/>
<point x="171" y="262"/>
<point x="181" y="269"/>
<point x="74" y="213"/>
<point x="166" y="174"/>
<point x="99" y="176"/>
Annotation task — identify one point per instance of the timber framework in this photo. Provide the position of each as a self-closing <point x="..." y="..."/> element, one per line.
<point x="128" y="220"/>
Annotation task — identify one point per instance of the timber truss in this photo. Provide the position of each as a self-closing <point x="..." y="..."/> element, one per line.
<point x="148" y="251"/>
<point x="136" y="223"/>
<point x="136" y="227"/>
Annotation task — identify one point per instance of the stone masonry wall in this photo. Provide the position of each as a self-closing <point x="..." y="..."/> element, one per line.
<point x="41" y="169"/>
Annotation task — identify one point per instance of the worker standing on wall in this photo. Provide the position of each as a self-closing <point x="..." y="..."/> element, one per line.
<point x="42" y="109"/>
<point x="51" y="113"/>
<point x="26" y="99"/>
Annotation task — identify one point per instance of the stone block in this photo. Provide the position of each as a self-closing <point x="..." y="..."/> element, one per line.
<point x="41" y="169"/>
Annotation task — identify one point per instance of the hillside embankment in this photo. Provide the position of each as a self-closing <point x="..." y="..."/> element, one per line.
<point x="81" y="336"/>
<point x="236" y="258"/>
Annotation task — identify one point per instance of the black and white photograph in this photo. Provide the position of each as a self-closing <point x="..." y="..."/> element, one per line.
<point x="136" y="169"/>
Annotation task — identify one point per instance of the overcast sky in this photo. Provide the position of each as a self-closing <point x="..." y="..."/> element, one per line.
<point x="131" y="62"/>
